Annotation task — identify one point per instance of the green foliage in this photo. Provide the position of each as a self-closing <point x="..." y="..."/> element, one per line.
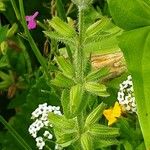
<point x="95" y="115"/>
<point x="62" y="28"/>
<point x="135" y="46"/>
<point x="136" y="13"/>
<point x="68" y="80"/>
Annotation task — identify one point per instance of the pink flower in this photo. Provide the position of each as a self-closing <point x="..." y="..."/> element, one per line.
<point x="31" y="20"/>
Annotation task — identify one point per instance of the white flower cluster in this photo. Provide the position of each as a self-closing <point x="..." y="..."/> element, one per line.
<point x="126" y="95"/>
<point x="40" y="115"/>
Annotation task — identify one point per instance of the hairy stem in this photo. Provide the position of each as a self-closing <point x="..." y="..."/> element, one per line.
<point x="79" y="57"/>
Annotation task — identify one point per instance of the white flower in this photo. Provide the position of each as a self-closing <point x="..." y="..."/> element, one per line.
<point x="126" y="95"/>
<point x="48" y="135"/>
<point x="41" y="122"/>
<point x="40" y="142"/>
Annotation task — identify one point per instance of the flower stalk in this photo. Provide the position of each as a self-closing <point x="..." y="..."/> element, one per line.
<point x="31" y="41"/>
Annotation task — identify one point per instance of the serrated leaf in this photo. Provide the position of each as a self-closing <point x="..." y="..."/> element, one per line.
<point x="95" y="115"/>
<point x="65" y="98"/>
<point x="59" y="38"/>
<point x="132" y="14"/>
<point x="97" y="74"/>
<point x="103" y="132"/>
<point x="76" y="94"/>
<point x="67" y="139"/>
<point x="62" y="81"/>
<point x="96" y="88"/>
<point x="105" y="143"/>
<point x="104" y="45"/>
<point x="62" y="27"/>
<point x="65" y="129"/>
<point x="62" y="123"/>
<point x="66" y="66"/>
<point x="86" y="142"/>
<point x="97" y="26"/>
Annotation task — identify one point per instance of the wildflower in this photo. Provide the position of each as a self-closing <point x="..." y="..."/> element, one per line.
<point x="40" y="142"/>
<point x="40" y="115"/>
<point x="48" y="135"/>
<point x="31" y="20"/>
<point x="126" y="96"/>
<point x="112" y="114"/>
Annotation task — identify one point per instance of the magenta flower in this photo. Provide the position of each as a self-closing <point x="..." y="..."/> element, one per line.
<point x="31" y="20"/>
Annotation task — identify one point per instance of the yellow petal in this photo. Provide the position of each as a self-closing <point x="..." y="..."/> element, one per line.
<point x="108" y="113"/>
<point x="112" y="120"/>
<point x="116" y="110"/>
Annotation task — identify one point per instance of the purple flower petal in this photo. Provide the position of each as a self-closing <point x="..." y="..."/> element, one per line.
<point x="31" y="20"/>
<point x="32" y="24"/>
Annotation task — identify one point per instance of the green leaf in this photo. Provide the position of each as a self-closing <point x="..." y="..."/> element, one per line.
<point x="19" y="139"/>
<point x="3" y="32"/>
<point x="103" y="132"/>
<point x="65" y="129"/>
<point x="103" y="45"/>
<point x="59" y="38"/>
<point x="66" y="66"/>
<point x="97" y="74"/>
<point x="6" y="80"/>
<point x="96" y="88"/>
<point x="86" y="142"/>
<point x="135" y="46"/>
<point x="130" y="15"/>
<point x="67" y="139"/>
<point x="97" y="26"/>
<point x="76" y="95"/>
<point x="95" y="115"/>
<point x="62" y="123"/>
<point x="105" y="143"/>
<point x="61" y="10"/>
<point x="65" y="99"/>
<point x="62" y="27"/>
<point x="62" y="81"/>
<point x="127" y="145"/>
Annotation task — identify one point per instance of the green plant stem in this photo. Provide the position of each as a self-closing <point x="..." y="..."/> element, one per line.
<point x="35" y="49"/>
<point x="79" y="57"/>
<point x="15" y="134"/>
<point x="15" y="9"/>
<point x="26" y="56"/>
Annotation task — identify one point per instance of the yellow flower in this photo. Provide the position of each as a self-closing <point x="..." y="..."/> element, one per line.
<point x="112" y="114"/>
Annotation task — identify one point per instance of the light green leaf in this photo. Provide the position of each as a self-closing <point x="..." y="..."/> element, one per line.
<point x="62" y="27"/>
<point x="135" y="45"/>
<point x="60" y="38"/>
<point x="66" y="66"/>
<point x="97" y="74"/>
<point x="96" y="88"/>
<point x="76" y="94"/>
<point x="103" y="132"/>
<point x="86" y="141"/>
<point x="95" y="115"/>
<point x="97" y="26"/>
<point x="65" y="99"/>
<point x="62" y="81"/>
<point x="103" y="45"/>
<point x="130" y="14"/>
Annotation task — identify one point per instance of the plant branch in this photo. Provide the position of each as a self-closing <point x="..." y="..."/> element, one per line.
<point x="35" y="49"/>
